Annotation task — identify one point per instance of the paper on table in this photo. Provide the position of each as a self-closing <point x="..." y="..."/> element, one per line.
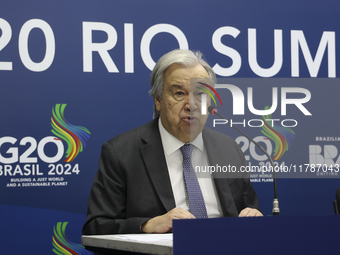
<point x="143" y="237"/>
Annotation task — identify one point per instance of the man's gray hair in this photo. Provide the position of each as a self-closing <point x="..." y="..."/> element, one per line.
<point x="186" y="58"/>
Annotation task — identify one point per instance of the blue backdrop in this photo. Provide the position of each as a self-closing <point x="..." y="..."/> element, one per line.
<point x="76" y="73"/>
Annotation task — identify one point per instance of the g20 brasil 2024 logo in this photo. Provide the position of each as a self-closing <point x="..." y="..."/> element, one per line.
<point x="74" y="136"/>
<point x="21" y="158"/>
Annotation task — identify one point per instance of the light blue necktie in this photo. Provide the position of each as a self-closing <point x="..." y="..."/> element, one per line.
<point x="195" y="197"/>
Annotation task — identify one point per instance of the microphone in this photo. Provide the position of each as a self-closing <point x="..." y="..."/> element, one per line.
<point x="337" y="201"/>
<point x="276" y="209"/>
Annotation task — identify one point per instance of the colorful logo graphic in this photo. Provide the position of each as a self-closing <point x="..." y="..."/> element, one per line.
<point x="282" y="136"/>
<point x="62" y="246"/>
<point x="209" y="93"/>
<point x="74" y="136"/>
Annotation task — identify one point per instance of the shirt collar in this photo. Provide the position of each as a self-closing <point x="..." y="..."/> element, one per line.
<point x="172" y="144"/>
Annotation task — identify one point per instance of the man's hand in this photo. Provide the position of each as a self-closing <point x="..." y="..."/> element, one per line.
<point x="163" y="223"/>
<point x="250" y="212"/>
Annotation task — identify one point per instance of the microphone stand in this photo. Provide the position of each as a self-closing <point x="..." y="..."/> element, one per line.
<point x="276" y="209"/>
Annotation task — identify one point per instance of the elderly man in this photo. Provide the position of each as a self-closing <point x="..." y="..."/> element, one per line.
<point x="145" y="178"/>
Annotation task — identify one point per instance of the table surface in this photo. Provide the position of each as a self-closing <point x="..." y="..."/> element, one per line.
<point x="141" y="243"/>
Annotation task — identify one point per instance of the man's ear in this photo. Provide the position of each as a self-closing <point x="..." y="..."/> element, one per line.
<point x="157" y="104"/>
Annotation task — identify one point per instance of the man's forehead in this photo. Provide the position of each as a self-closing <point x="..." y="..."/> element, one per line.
<point x="179" y="70"/>
<point x="193" y="87"/>
<point x="176" y="86"/>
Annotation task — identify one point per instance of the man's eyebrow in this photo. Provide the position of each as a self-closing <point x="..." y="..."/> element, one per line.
<point x="176" y="86"/>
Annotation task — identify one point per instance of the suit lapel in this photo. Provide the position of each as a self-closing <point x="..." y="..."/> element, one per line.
<point x="153" y="156"/>
<point x="154" y="159"/>
<point x="217" y="154"/>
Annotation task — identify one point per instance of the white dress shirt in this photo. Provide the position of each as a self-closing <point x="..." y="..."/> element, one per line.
<point x="174" y="161"/>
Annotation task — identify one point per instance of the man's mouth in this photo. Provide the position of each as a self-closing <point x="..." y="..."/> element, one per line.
<point x="190" y="119"/>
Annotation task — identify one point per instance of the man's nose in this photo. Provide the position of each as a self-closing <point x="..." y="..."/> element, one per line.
<point x="191" y="104"/>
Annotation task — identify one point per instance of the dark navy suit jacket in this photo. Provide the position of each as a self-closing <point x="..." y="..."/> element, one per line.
<point x="132" y="184"/>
